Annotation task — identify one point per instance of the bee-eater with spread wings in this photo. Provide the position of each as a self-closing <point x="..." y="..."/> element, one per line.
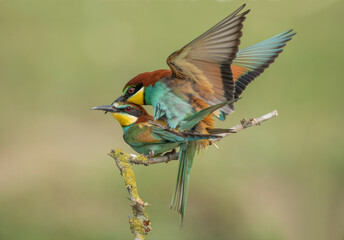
<point x="207" y="71"/>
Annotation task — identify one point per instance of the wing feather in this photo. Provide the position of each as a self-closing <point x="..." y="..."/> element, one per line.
<point x="252" y="61"/>
<point x="205" y="62"/>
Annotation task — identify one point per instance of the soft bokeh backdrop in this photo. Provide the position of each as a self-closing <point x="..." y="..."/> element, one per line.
<point x="281" y="181"/>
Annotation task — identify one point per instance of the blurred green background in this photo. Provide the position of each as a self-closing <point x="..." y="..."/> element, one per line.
<point x="283" y="180"/>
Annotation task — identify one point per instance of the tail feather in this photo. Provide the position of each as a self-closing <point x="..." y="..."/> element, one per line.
<point x="179" y="199"/>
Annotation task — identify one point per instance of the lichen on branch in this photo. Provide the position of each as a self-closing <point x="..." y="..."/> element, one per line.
<point x="140" y="224"/>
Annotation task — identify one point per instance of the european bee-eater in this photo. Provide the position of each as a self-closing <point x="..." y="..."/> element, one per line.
<point x="207" y="71"/>
<point x="150" y="137"/>
<point x="153" y="138"/>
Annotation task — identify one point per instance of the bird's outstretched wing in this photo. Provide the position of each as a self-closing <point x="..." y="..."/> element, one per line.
<point x="205" y="61"/>
<point x="252" y="61"/>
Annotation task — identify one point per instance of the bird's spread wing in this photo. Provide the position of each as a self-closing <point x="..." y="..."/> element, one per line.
<point x="205" y="62"/>
<point x="252" y="61"/>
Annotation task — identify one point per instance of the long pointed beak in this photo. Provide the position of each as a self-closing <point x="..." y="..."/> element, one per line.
<point x="121" y="99"/>
<point x="106" y="108"/>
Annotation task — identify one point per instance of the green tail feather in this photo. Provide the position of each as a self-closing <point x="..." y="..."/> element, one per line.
<point x="179" y="199"/>
<point x="186" y="156"/>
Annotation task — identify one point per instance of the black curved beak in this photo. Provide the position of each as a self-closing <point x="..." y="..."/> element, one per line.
<point x="106" y="108"/>
<point x="121" y="99"/>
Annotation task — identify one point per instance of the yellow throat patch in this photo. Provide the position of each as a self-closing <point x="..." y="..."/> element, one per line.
<point x="124" y="119"/>
<point x="137" y="98"/>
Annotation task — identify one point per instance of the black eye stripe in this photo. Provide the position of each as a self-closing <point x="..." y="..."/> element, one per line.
<point x="133" y="111"/>
<point x="136" y="89"/>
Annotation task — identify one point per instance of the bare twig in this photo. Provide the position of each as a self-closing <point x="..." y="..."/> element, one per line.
<point x="252" y="122"/>
<point x="139" y="224"/>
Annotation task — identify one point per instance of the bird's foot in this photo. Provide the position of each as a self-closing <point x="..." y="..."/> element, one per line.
<point x="169" y="155"/>
<point x="150" y="154"/>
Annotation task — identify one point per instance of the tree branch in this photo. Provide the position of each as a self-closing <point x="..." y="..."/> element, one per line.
<point x="139" y="224"/>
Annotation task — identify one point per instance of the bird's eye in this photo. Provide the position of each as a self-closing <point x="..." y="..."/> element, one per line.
<point x="127" y="109"/>
<point x="131" y="90"/>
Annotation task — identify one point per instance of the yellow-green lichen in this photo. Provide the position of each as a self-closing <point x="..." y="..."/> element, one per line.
<point x="127" y="171"/>
<point x="140" y="224"/>
<point x="142" y="158"/>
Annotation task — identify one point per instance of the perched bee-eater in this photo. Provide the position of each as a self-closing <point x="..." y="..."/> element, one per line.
<point x="153" y="138"/>
<point x="205" y="72"/>
<point x="150" y="137"/>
